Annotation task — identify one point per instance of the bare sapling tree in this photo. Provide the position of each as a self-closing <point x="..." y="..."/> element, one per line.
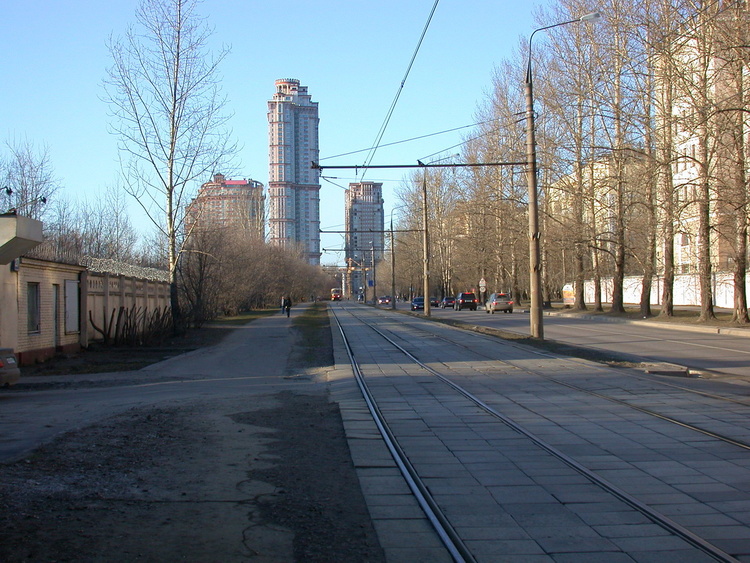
<point x="169" y="114"/>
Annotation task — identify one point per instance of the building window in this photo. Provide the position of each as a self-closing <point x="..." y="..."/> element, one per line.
<point x="33" y="302"/>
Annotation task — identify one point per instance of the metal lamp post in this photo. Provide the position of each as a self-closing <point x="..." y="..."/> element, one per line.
<point x="535" y="272"/>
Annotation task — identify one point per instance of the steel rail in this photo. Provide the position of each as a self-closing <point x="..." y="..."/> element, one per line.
<point x="453" y="543"/>
<point x="666" y="418"/>
<point x="658" y="518"/>
<point x="620" y="372"/>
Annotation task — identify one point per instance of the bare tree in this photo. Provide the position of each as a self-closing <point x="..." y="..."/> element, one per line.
<point x="572" y="120"/>
<point x="28" y="179"/>
<point x="62" y="236"/>
<point x="201" y="275"/>
<point x="660" y="26"/>
<point x="444" y="196"/>
<point x="100" y="228"/>
<point x="498" y="194"/>
<point x="731" y="65"/>
<point x="695" y="109"/>
<point x="106" y="228"/>
<point x="163" y="90"/>
<point x="152" y="250"/>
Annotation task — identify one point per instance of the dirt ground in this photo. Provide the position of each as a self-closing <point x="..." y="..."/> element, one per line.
<point x="222" y="481"/>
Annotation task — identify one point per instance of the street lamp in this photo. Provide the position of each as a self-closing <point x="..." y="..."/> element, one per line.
<point x="535" y="272"/>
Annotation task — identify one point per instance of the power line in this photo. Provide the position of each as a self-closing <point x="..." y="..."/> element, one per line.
<point x="409" y="140"/>
<point x="421" y="164"/>
<point x="379" y="137"/>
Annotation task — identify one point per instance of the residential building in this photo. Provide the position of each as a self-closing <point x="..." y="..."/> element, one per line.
<point x="294" y="186"/>
<point x="223" y="203"/>
<point x="702" y="77"/>
<point x="695" y="181"/>
<point x="365" y="236"/>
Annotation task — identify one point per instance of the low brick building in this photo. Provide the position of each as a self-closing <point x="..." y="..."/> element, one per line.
<point x="50" y="307"/>
<point x="40" y="308"/>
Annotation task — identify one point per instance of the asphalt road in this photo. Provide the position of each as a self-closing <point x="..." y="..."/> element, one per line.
<point x="698" y="348"/>
<point x="234" y="368"/>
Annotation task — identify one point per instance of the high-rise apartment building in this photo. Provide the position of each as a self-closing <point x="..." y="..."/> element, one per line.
<point x="222" y="203"/>
<point x="365" y="237"/>
<point x="293" y="185"/>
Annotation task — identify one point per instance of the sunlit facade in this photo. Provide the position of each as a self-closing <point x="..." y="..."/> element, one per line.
<point x="365" y="237"/>
<point x="294" y="186"/>
<point x="222" y="203"/>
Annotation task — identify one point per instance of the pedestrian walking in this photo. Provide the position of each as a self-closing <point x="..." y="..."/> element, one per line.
<point x="286" y="305"/>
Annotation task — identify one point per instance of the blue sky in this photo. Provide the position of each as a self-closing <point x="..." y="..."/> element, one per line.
<point x="352" y="55"/>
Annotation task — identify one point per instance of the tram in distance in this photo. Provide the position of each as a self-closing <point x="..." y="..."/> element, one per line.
<point x="336" y="294"/>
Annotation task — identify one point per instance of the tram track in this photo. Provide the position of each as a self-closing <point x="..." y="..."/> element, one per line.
<point x="431" y="508"/>
<point x="743" y="444"/>
<point x="439" y="522"/>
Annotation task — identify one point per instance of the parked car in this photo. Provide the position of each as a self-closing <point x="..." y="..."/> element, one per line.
<point x="447" y="302"/>
<point x="466" y="300"/>
<point x="434" y="302"/>
<point x="499" y="302"/>
<point x="385" y="300"/>
<point x="417" y="303"/>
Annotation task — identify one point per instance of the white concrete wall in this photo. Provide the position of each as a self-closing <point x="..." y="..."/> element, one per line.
<point x="686" y="290"/>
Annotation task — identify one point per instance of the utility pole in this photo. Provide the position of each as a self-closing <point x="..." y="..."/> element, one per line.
<point x="374" y="293"/>
<point x="535" y="268"/>
<point x="426" y="244"/>
<point x="393" y="266"/>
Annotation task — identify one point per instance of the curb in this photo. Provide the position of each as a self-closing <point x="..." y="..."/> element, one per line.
<point x="729" y="331"/>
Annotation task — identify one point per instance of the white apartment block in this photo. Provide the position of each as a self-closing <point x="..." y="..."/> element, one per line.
<point x="293" y="186"/>
<point x="710" y="130"/>
<point x="365" y="237"/>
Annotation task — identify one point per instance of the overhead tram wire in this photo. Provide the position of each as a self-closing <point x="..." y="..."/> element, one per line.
<point x="420" y="164"/>
<point x="379" y="137"/>
<point x="357" y="168"/>
<point x="409" y="140"/>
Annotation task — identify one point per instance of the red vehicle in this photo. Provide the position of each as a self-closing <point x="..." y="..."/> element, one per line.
<point x="336" y="294"/>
